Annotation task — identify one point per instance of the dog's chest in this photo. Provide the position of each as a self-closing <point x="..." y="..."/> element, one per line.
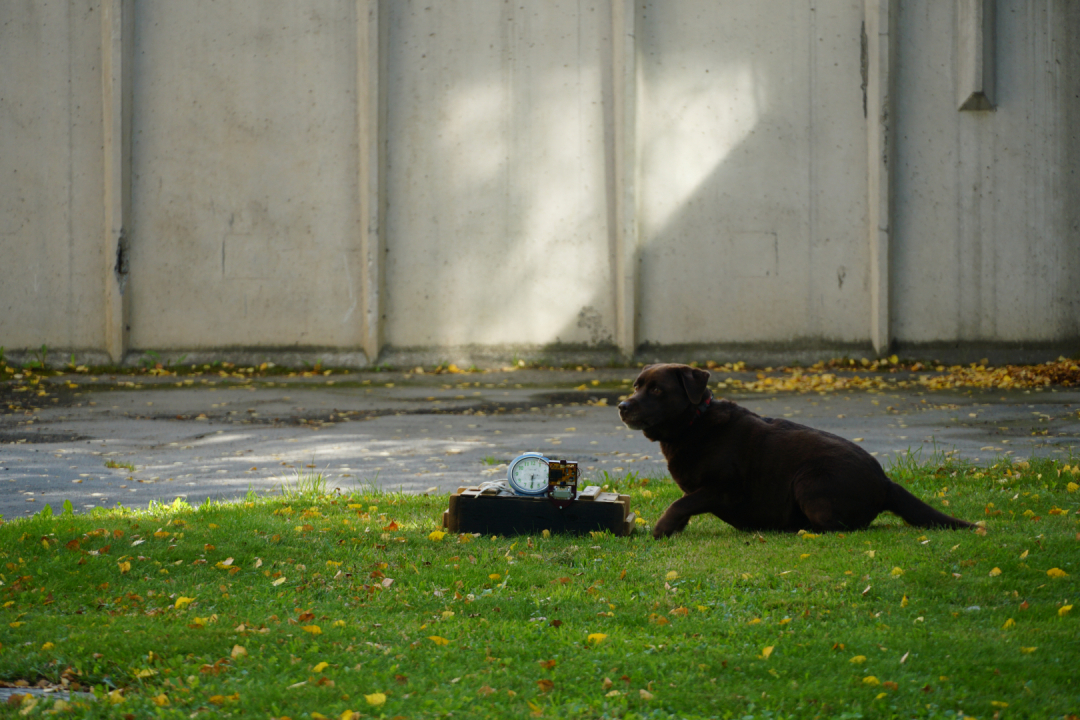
<point x="692" y="469"/>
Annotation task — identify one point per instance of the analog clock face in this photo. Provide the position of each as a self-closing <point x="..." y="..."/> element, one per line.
<point x="528" y="474"/>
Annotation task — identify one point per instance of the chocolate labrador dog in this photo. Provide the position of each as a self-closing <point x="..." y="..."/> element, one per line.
<point x="759" y="473"/>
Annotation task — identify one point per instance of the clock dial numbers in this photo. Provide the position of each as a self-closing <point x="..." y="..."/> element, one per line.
<point x="528" y="474"/>
<point x="532" y="473"/>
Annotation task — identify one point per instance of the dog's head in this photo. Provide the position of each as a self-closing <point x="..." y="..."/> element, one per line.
<point x="662" y="394"/>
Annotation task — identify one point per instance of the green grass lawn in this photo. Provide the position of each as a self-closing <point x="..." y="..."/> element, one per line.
<point x="312" y="606"/>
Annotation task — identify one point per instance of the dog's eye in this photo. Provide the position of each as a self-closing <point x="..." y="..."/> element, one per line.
<point x="656" y="391"/>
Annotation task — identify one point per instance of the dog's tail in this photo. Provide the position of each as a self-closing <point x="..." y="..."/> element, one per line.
<point x="916" y="512"/>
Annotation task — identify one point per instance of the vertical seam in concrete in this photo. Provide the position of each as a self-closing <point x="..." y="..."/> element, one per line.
<point x="815" y="300"/>
<point x="70" y="297"/>
<point x="881" y="40"/>
<point x="371" y="107"/>
<point x="116" y="42"/>
<point x="624" y="96"/>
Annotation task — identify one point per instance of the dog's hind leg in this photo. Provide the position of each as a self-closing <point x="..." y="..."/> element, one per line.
<point x="837" y="503"/>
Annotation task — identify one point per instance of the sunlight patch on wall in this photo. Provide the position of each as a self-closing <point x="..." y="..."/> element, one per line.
<point x="691" y="124"/>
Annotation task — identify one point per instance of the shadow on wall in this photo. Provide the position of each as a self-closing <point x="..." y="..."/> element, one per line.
<point x="752" y="189"/>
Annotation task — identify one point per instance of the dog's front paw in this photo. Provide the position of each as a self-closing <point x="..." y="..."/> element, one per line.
<point x="668" y="525"/>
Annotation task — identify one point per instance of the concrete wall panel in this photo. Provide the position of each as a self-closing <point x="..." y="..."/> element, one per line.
<point x="52" y="262"/>
<point x="753" y="183"/>
<point x="987" y="240"/>
<point x="498" y="220"/>
<point x="244" y="171"/>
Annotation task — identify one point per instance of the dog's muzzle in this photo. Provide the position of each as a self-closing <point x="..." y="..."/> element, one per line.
<point x="626" y="415"/>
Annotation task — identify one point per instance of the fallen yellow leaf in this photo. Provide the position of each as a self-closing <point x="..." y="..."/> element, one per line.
<point x="995" y="572"/>
<point x="1028" y="650"/>
<point x="858" y="659"/>
<point x="438" y="640"/>
<point x="645" y="694"/>
<point x="766" y="651"/>
<point x="1008" y="624"/>
<point x="596" y="638"/>
<point x="897" y="572"/>
<point x="1062" y="612"/>
<point x="436" y="535"/>
<point x="320" y="667"/>
<point x="1057" y="573"/>
<point x="671" y="576"/>
<point x="183" y="602"/>
<point x="25" y="701"/>
<point x="161" y="700"/>
<point x="871" y="680"/>
<point x="238" y="651"/>
<point x="313" y="629"/>
<point x="50" y="646"/>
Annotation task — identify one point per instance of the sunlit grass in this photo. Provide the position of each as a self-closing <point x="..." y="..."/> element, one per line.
<point x="338" y="602"/>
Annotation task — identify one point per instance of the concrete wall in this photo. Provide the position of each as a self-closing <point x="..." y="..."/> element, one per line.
<point x="52" y="257"/>
<point x="244" y="175"/>
<point x="360" y="180"/>
<point x="497" y="230"/>
<point x="753" y="173"/>
<point x="988" y="237"/>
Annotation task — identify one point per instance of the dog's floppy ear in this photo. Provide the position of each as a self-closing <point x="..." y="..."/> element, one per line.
<point x="695" y="381"/>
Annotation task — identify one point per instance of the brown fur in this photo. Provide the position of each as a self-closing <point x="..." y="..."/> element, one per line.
<point x="760" y="473"/>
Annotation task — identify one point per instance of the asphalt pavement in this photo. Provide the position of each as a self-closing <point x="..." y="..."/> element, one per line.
<point x="102" y="441"/>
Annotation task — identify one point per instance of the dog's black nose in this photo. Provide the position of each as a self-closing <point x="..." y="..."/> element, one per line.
<point x="624" y="406"/>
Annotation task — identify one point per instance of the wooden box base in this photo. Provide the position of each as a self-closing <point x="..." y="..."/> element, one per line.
<point x="473" y="512"/>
